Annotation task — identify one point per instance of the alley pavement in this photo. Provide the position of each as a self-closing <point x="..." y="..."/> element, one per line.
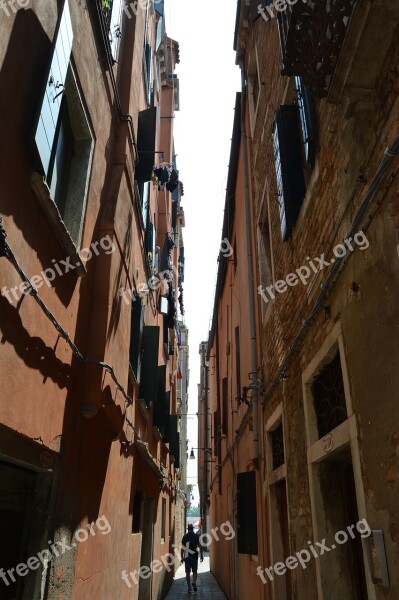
<point x="206" y="584"/>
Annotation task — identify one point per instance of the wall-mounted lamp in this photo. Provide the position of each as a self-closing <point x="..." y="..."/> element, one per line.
<point x="192" y="455"/>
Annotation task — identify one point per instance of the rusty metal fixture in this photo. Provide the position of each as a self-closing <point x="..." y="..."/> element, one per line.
<point x="311" y="37"/>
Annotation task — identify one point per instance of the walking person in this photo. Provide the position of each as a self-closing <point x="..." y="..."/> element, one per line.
<point x="189" y="555"/>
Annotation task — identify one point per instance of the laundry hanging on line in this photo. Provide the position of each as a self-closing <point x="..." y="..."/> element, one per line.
<point x="165" y="176"/>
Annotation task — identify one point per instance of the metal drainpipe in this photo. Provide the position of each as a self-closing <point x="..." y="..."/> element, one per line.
<point x="254" y="384"/>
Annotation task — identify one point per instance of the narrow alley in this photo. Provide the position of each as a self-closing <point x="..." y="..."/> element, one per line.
<point x="207" y="586"/>
<point x="199" y="284"/>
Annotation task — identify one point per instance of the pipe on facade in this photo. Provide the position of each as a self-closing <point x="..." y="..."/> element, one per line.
<point x="254" y="371"/>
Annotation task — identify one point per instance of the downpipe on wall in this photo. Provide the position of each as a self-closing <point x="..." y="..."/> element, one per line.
<point x="254" y="386"/>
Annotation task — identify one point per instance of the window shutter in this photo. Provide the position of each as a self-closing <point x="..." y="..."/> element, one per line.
<point x="53" y="92"/>
<point x="148" y="67"/>
<point x="247" y="522"/>
<point x="308" y="121"/>
<point x="149" y="364"/>
<point x="136" y="333"/>
<point x="146" y="133"/>
<point x="289" y="168"/>
<point x="160" y="33"/>
<point x="161" y="406"/>
<point x="225" y="407"/>
<point x="149" y="238"/>
<point x="115" y="33"/>
<point x="174" y="439"/>
<point x="160" y="6"/>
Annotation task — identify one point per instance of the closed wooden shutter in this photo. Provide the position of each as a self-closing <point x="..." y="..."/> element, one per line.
<point x="225" y="424"/>
<point x="146" y="134"/>
<point x="136" y="333"/>
<point x="174" y="439"/>
<point x="149" y="364"/>
<point x="52" y="95"/>
<point x="247" y="522"/>
<point x="161" y="406"/>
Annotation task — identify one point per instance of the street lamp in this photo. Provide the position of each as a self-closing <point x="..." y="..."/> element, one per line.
<point x="192" y="455"/>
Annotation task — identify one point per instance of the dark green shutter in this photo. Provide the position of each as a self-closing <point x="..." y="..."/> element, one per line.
<point x="166" y="437"/>
<point x="161" y="407"/>
<point x="174" y="439"/>
<point x="247" y="522"/>
<point x="146" y="133"/>
<point x="53" y="92"/>
<point x="136" y="332"/>
<point x="149" y="364"/>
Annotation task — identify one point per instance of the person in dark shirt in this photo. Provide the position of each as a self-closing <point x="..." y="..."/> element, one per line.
<point x="189" y="555"/>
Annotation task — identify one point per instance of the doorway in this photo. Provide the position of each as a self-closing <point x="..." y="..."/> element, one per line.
<point x="145" y="585"/>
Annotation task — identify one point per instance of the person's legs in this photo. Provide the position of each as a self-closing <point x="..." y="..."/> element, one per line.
<point x="188" y="571"/>
<point x="195" y="572"/>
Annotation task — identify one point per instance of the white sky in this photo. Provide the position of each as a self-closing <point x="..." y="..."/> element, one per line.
<point x="209" y="80"/>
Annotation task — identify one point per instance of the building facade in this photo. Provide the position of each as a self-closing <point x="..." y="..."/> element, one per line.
<point x="320" y="96"/>
<point x="92" y="269"/>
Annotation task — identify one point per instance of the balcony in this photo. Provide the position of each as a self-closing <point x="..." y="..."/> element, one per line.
<point x="311" y="37"/>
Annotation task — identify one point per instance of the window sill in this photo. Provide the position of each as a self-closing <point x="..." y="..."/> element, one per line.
<point x="42" y="192"/>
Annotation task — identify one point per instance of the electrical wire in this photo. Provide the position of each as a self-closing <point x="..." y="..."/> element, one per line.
<point x="5" y="251"/>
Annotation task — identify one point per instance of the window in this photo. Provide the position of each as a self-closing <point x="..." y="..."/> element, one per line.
<point x="329" y="397"/>
<point x="137" y="509"/>
<point x="247" y="522"/>
<point x="277" y="439"/>
<point x="174" y="439"/>
<point x="146" y="136"/>
<point x="63" y="139"/>
<point x="215" y="434"/>
<point x="112" y="10"/>
<point x="225" y="408"/>
<point x="136" y="333"/>
<point x="150" y="244"/>
<point x="255" y="90"/>
<point x="288" y="164"/>
<point x="308" y="121"/>
<point x="238" y="361"/>
<point x="70" y="160"/>
<point x="149" y="364"/>
<point x="163" y="520"/>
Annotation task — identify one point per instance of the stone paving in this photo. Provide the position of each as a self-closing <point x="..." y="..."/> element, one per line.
<point x="206" y="584"/>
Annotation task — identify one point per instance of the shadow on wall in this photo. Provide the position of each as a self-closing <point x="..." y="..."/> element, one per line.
<point x="32" y="350"/>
